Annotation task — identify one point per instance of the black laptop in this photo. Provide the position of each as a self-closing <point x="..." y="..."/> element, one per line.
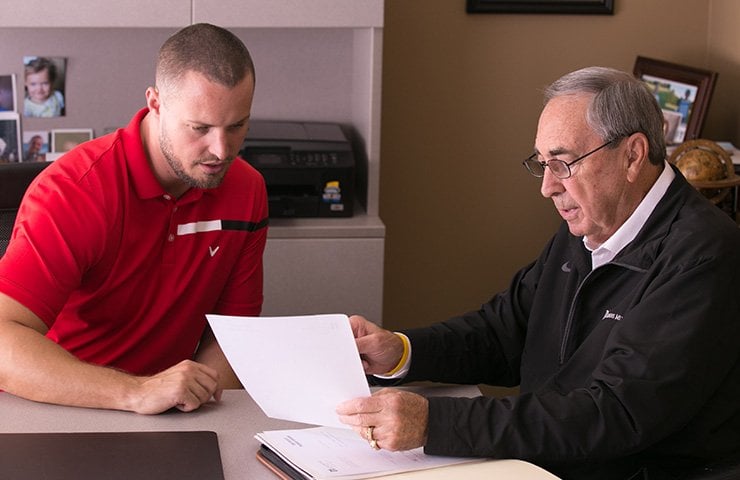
<point x="111" y="456"/>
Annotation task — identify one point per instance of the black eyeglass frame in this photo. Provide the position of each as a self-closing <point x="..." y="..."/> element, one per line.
<point x="529" y="160"/>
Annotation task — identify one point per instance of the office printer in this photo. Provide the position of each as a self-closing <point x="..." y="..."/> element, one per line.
<point x="309" y="167"/>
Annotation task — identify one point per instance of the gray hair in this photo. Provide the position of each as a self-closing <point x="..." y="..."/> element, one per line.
<point x="622" y="105"/>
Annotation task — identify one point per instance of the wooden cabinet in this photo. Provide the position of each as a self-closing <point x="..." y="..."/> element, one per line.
<point x="317" y="60"/>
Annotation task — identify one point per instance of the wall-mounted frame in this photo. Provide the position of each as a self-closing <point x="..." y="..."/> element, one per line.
<point x="10" y="137"/>
<point x="65" y="139"/>
<point x="602" y="7"/>
<point x="683" y="94"/>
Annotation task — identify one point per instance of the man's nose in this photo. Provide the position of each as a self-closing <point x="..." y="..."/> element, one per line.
<point x="551" y="185"/>
<point x="219" y="145"/>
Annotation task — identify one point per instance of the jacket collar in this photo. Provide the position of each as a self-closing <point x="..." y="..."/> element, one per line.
<point x="643" y="250"/>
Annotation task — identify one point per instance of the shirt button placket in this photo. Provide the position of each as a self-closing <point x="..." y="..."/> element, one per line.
<point x="169" y="248"/>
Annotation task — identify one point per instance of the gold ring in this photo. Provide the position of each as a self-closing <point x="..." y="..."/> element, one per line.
<point x="369" y="435"/>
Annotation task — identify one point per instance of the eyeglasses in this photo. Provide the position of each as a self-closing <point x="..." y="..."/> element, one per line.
<point x="558" y="168"/>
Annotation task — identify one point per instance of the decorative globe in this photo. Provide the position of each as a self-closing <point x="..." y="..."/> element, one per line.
<point x="699" y="165"/>
<point x="707" y="166"/>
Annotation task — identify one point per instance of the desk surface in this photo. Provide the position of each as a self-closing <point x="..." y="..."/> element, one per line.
<point x="235" y="419"/>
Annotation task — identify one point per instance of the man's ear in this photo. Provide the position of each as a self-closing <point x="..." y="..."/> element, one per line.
<point x="152" y="100"/>
<point x="637" y="149"/>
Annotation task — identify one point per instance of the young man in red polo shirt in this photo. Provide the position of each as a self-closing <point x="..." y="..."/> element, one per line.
<point x="124" y="244"/>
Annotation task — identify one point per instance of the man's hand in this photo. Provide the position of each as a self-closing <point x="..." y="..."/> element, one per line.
<point x="185" y="386"/>
<point x="380" y="350"/>
<point x="399" y="418"/>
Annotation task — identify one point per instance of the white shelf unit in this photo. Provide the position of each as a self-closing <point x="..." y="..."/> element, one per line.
<point x="95" y="13"/>
<point x="316" y="60"/>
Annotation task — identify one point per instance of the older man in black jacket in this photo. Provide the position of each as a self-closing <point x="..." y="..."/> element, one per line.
<point x="622" y="334"/>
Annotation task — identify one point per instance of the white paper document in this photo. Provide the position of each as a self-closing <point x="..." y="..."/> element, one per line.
<point x="326" y="453"/>
<point x="295" y="368"/>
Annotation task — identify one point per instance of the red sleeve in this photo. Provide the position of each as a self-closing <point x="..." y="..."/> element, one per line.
<point x="52" y="244"/>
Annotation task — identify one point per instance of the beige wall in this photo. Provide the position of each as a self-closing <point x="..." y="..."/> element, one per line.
<point x="461" y="97"/>
<point x="723" y="55"/>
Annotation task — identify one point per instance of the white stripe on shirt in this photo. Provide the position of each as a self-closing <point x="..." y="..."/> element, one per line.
<point x="199" y="227"/>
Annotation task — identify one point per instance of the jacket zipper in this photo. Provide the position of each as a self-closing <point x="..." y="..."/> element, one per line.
<point x="569" y="322"/>
<point x="571" y="312"/>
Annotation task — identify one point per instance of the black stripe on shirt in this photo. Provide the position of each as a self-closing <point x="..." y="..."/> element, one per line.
<point x="245" y="226"/>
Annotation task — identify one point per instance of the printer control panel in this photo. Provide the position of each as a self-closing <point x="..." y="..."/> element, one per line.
<point x="314" y="159"/>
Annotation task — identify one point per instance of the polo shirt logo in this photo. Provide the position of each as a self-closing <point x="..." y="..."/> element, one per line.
<point x="212" y="250"/>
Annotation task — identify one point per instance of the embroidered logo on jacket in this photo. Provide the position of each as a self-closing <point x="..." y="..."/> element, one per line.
<point x="611" y="315"/>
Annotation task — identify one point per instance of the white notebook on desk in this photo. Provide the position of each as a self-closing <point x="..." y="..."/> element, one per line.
<point x="339" y="454"/>
<point x="324" y="453"/>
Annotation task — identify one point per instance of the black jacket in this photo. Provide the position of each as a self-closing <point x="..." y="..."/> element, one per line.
<point x="633" y="365"/>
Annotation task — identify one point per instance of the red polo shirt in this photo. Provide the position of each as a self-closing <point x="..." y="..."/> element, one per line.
<point x="122" y="273"/>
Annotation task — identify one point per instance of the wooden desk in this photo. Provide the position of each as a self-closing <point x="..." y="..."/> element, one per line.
<point x="235" y="419"/>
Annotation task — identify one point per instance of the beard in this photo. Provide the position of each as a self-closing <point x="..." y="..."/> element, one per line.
<point x="176" y="164"/>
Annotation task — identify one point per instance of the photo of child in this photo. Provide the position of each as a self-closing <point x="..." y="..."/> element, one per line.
<point x="44" y="85"/>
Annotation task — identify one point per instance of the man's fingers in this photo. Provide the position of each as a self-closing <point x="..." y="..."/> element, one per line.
<point x="398" y="418"/>
<point x="217" y="394"/>
<point x="185" y="386"/>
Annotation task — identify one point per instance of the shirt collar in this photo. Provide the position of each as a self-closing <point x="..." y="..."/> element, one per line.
<point x="142" y="177"/>
<point x="606" y="252"/>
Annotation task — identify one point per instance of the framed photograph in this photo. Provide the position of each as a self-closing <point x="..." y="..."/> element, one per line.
<point x="10" y="137"/>
<point x="44" y="86"/>
<point x="683" y="94"/>
<point x="35" y="145"/>
<point x="8" y="93"/>
<point x="603" y="7"/>
<point x="65" y="139"/>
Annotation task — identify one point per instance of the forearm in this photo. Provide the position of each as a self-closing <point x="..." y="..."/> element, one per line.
<point x="464" y="349"/>
<point x="210" y="353"/>
<point x="34" y="367"/>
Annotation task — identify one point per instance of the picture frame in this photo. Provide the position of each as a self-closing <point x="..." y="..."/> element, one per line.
<point x="35" y="145"/>
<point x="65" y="139"/>
<point x="598" y="7"/>
<point x="683" y="93"/>
<point x="39" y="101"/>
<point x="10" y="137"/>
<point x="8" y="93"/>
